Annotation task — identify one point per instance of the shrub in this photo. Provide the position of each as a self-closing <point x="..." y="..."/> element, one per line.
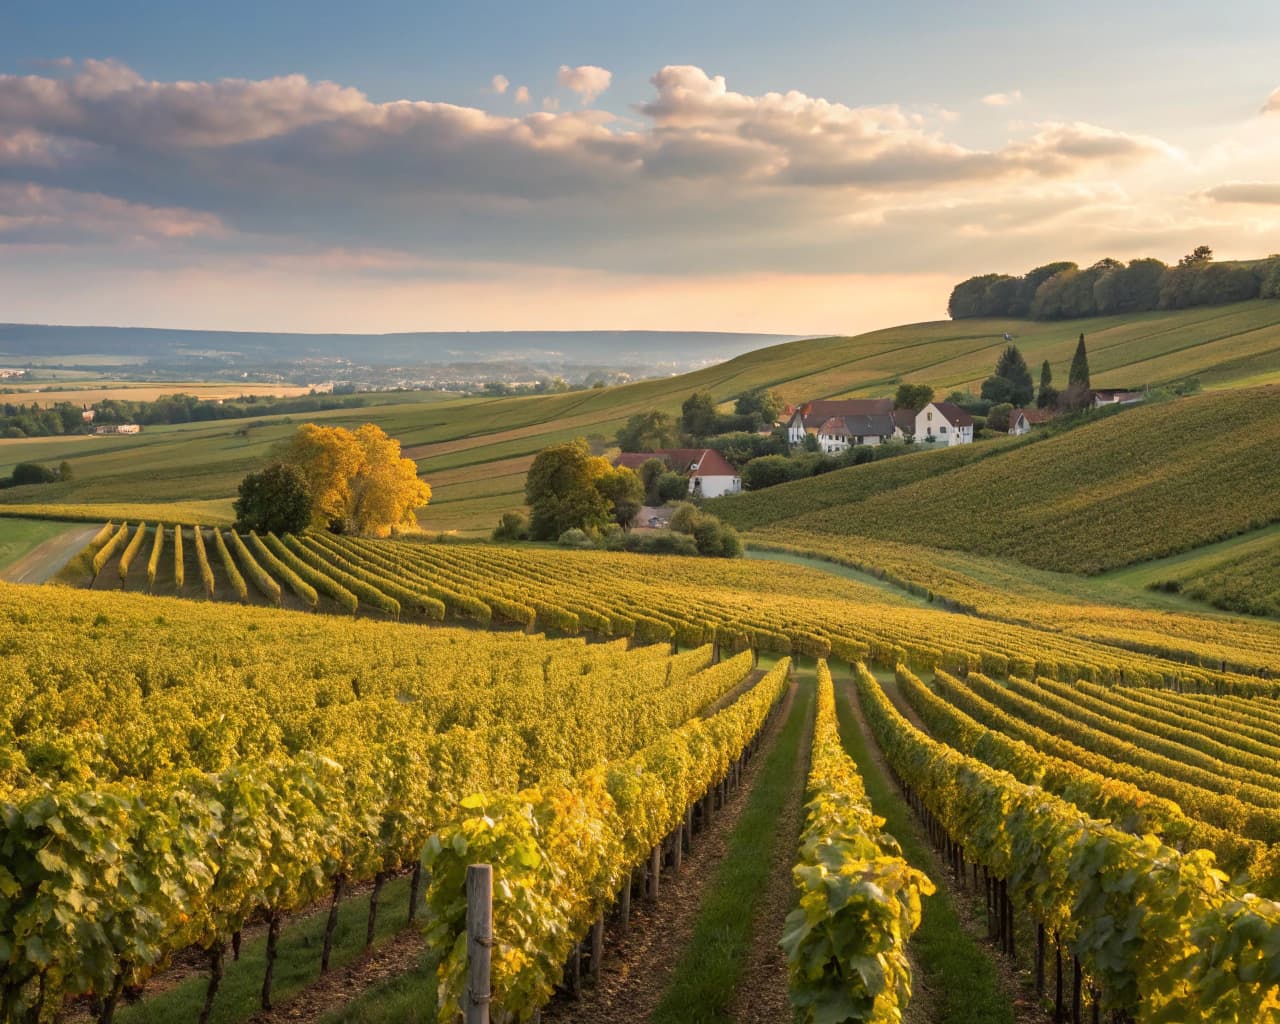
<point x="575" y="538"/>
<point x="512" y="526"/>
<point x="667" y="543"/>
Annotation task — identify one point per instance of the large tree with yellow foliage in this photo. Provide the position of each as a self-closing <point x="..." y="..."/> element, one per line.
<point x="359" y="481"/>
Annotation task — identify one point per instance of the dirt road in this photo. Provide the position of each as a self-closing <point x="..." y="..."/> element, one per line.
<point x="45" y="559"/>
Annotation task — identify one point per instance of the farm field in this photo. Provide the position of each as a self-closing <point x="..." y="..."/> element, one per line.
<point x="1165" y="745"/>
<point x="1096" y="498"/>
<point x="45" y="393"/>
<point x="451" y="437"/>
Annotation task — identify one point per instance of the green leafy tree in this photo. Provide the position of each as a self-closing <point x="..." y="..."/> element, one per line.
<point x="1047" y="395"/>
<point x="561" y="493"/>
<point x="1011" y="381"/>
<point x="1078" y="377"/>
<point x="672" y="487"/>
<point x="998" y="417"/>
<point x="648" y="431"/>
<point x="274" y="500"/>
<point x="512" y="526"/>
<point x="761" y="402"/>
<point x="623" y="491"/>
<point x="32" y="473"/>
<point x="767" y="471"/>
<point x="65" y="471"/>
<point x="698" y="415"/>
<point x="912" y="396"/>
<point x="650" y="473"/>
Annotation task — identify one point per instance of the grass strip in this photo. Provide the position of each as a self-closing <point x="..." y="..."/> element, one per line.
<point x="701" y="990"/>
<point x="297" y="966"/>
<point x="961" y="976"/>
<point x="408" y="998"/>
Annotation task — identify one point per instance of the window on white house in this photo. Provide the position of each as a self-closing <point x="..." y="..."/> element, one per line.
<point x="942" y="430"/>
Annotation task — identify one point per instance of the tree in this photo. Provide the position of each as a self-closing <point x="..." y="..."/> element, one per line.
<point x="998" y="417"/>
<point x="561" y="493"/>
<point x="912" y="396"/>
<point x="672" y="487"/>
<point x="647" y="431"/>
<point x="698" y="416"/>
<point x="358" y="480"/>
<point x="1198" y="256"/>
<point x="65" y="471"/>
<point x="274" y="500"/>
<point x="712" y="537"/>
<point x="1047" y="396"/>
<point x="512" y="526"/>
<point x="761" y="402"/>
<point x="650" y="473"/>
<point x="1078" y="377"/>
<point x="32" y="473"/>
<point x="622" y="490"/>
<point x="1011" y="381"/>
<point x="767" y="471"/>
<point x="386" y="489"/>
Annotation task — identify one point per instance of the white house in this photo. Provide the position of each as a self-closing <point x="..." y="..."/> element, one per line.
<point x="841" y="432"/>
<point x="811" y="417"/>
<point x="944" y="423"/>
<point x="1022" y="420"/>
<point x="709" y="473"/>
<point x="1115" y="396"/>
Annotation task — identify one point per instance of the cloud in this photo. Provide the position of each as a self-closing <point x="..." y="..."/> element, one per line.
<point x="1259" y="192"/>
<point x="699" y="176"/>
<point x="522" y="95"/>
<point x="1272" y="105"/>
<point x="499" y="84"/>
<point x="587" y="80"/>
<point x="1003" y="99"/>
<point x="33" y="214"/>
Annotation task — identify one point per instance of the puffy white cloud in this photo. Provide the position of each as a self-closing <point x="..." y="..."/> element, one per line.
<point x="587" y="80"/>
<point x="522" y="95"/>
<point x="499" y="84"/>
<point x="1261" y="192"/>
<point x="1003" y="99"/>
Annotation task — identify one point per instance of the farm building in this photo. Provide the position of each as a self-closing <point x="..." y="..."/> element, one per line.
<point x="1022" y="420"/>
<point x="944" y="423"/>
<point x="710" y="475"/>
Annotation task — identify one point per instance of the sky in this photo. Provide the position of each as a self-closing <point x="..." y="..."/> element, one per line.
<point x="807" y="168"/>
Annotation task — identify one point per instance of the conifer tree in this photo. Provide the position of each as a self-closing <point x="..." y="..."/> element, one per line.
<point x="1079" y="376"/>
<point x="1048" y="394"/>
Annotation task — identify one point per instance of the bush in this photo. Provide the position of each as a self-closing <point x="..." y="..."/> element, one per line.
<point x="275" y="500"/>
<point x="512" y="526"/>
<point x="672" y="487"/>
<point x="711" y="537"/>
<point x="665" y="542"/>
<point x="575" y="538"/>
<point x="33" y="473"/>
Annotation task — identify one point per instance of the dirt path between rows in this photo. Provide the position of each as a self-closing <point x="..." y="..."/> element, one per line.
<point x="637" y="968"/>
<point x="762" y="995"/>
<point x="47" y="557"/>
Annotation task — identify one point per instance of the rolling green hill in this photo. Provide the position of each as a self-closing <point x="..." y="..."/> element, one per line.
<point x="1145" y="483"/>
<point x="474" y="451"/>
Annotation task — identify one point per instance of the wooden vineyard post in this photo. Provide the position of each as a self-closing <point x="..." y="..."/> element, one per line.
<point x="677" y="849"/>
<point x="597" y="948"/>
<point x="688" y="827"/>
<point x="655" y="869"/>
<point x="624" y="903"/>
<point x="479" y="943"/>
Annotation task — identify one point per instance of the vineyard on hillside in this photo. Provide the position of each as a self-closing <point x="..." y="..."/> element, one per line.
<point x="1151" y="482"/>
<point x="237" y="763"/>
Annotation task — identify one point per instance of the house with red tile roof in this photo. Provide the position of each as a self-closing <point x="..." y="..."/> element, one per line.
<point x="709" y="473"/>
<point x="1022" y="420"/>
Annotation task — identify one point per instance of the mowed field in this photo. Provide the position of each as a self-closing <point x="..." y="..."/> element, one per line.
<point x="474" y="451"/>
<point x="88" y="392"/>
